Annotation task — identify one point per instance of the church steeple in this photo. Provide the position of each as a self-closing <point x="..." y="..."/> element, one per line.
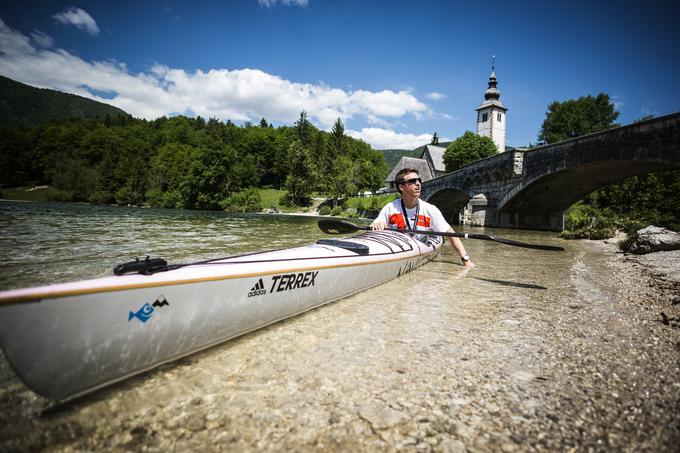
<point x="491" y="112"/>
<point x="492" y="94"/>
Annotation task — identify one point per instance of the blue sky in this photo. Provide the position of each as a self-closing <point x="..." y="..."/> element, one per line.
<point x="394" y="71"/>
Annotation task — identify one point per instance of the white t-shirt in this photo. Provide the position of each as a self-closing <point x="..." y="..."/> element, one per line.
<point x="429" y="218"/>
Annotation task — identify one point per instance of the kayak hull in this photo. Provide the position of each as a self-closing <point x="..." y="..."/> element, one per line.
<point x="65" y="340"/>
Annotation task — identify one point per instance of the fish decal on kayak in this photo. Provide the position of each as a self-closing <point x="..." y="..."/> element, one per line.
<point x="144" y="313"/>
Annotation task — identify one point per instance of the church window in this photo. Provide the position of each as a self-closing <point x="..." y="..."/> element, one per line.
<point x="485" y="116"/>
<point x="500" y="116"/>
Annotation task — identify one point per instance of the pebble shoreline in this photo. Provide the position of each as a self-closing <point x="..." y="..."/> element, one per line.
<point x="557" y="376"/>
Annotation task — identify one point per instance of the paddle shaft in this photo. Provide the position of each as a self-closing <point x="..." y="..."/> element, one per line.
<point x="340" y="226"/>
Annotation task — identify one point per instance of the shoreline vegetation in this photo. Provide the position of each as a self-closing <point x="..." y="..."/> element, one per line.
<point x="584" y="220"/>
<point x="189" y="163"/>
<point x="263" y="201"/>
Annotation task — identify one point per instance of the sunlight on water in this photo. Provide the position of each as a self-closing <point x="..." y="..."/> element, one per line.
<point x="51" y="243"/>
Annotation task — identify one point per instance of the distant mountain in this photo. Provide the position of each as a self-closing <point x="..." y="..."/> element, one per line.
<point x="392" y="156"/>
<point x="24" y="105"/>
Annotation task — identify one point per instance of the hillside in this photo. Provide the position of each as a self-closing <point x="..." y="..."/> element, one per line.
<point x="24" y="105"/>
<point x="392" y="156"/>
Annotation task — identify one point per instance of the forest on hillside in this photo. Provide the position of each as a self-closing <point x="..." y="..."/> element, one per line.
<point x="25" y="105"/>
<point x="189" y="163"/>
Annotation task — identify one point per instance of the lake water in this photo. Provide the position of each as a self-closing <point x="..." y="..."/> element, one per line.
<point x="490" y="357"/>
<point x="51" y="243"/>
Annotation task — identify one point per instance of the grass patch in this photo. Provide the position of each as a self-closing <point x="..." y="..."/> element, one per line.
<point x="368" y="206"/>
<point x="271" y="198"/>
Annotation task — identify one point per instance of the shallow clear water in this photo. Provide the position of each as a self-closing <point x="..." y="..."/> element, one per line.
<point x="438" y="354"/>
<point x="50" y="243"/>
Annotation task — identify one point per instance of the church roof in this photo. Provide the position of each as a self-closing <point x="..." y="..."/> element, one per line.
<point x="436" y="156"/>
<point x="411" y="162"/>
<point x="489" y="103"/>
<point x="492" y="94"/>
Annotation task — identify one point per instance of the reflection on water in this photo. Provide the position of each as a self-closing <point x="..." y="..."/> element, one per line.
<point x="50" y="243"/>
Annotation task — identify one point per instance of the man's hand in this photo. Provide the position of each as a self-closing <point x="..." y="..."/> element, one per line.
<point x="378" y="225"/>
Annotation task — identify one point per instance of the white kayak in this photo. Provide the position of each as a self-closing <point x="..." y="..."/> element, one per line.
<point x="67" y="339"/>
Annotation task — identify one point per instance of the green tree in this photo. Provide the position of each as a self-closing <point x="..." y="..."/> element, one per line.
<point x="304" y="129"/>
<point x="166" y="175"/>
<point x="467" y="148"/>
<point x="76" y="178"/>
<point x="248" y="200"/>
<point x="303" y="174"/>
<point x="371" y="176"/>
<point x="335" y="173"/>
<point x="17" y="153"/>
<point x="210" y="178"/>
<point x="577" y="117"/>
<point x="338" y="136"/>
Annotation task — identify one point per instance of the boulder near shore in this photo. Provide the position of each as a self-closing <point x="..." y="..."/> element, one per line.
<point x="653" y="239"/>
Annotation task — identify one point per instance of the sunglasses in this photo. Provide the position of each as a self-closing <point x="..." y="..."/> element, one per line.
<point x="412" y="181"/>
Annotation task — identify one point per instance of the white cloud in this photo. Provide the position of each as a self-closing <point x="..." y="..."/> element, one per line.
<point x="270" y="3"/>
<point x="79" y="18"/>
<point x="238" y="95"/>
<point x="446" y="116"/>
<point x="436" y="96"/>
<point x="42" y="39"/>
<point x="617" y="100"/>
<point x="389" y="139"/>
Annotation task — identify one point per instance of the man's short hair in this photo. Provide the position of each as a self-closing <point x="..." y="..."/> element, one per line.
<point x="399" y="179"/>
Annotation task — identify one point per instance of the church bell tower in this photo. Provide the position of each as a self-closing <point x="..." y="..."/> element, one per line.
<point x="491" y="114"/>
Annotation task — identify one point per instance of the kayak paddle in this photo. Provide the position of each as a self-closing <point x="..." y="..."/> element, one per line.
<point x="332" y="226"/>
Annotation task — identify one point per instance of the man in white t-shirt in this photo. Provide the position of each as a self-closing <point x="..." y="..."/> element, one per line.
<point x="411" y="213"/>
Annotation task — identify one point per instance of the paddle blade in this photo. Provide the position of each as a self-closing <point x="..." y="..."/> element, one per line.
<point x="526" y="245"/>
<point x="332" y="226"/>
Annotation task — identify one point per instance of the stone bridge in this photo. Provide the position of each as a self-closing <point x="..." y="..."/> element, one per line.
<point x="531" y="188"/>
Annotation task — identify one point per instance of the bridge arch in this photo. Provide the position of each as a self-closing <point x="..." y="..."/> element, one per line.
<point x="531" y="188"/>
<point x="554" y="192"/>
<point x="450" y="202"/>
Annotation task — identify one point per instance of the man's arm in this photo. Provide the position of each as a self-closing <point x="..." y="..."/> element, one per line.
<point x="380" y="222"/>
<point x="460" y="249"/>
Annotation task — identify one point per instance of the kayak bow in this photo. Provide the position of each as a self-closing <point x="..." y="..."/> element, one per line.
<point x="68" y="339"/>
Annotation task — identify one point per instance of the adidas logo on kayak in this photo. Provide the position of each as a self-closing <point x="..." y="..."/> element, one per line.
<point x="258" y="289"/>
